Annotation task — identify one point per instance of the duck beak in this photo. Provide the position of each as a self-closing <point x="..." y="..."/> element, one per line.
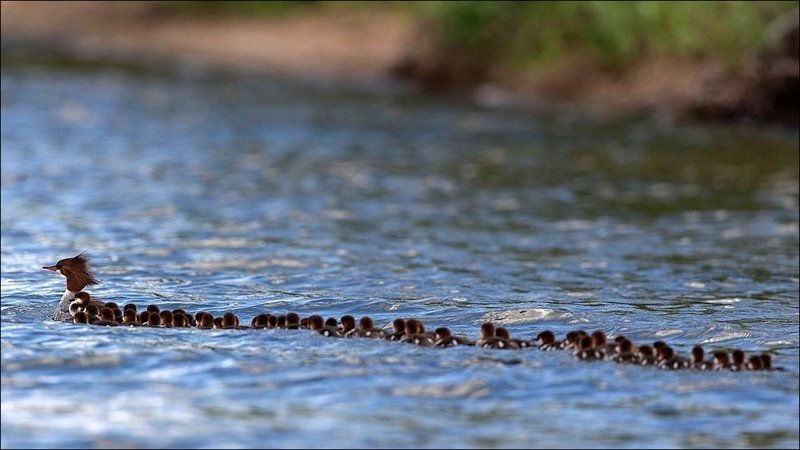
<point x="53" y="268"/>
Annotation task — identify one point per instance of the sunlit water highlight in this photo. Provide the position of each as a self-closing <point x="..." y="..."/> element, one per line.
<point x="253" y="195"/>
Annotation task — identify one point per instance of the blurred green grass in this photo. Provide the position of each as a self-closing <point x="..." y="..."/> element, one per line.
<point x="528" y="34"/>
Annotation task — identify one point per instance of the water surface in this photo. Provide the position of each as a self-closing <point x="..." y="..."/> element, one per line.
<point x="253" y="195"/>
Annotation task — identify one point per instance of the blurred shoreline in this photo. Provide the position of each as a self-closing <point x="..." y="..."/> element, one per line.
<point x="376" y="45"/>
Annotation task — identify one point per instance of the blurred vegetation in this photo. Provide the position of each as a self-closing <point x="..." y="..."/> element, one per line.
<point x="613" y="33"/>
<point x="528" y="34"/>
<point x="235" y="8"/>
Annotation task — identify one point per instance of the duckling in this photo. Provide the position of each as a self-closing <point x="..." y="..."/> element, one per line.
<point x="503" y="333"/>
<point x="106" y="318"/>
<point x="584" y="349"/>
<point x="129" y="318"/>
<point x="489" y="338"/>
<point x="154" y="319"/>
<point x="178" y="320"/>
<point x="755" y="363"/>
<point x="166" y="318"/>
<point x="348" y="326"/>
<point x="82" y="317"/>
<point x="230" y="321"/>
<point x="292" y="321"/>
<point x="218" y="325"/>
<point x="445" y="339"/>
<point x="546" y="340"/>
<point x="76" y="307"/>
<point x="667" y="359"/>
<point x="721" y="360"/>
<point x="259" y="322"/>
<point x="415" y="334"/>
<point x="646" y="356"/>
<point x="571" y="340"/>
<point x="766" y="363"/>
<point x="205" y="321"/>
<point x="399" y="326"/>
<point x="144" y="317"/>
<point x="738" y="363"/>
<point x="698" y="362"/>
<point x="624" y="352"/>
<point x="317" y="324"/>
<point x="366" y="328"/>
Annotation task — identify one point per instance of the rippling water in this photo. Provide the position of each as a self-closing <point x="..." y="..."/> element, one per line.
<point x="222" y="193"/>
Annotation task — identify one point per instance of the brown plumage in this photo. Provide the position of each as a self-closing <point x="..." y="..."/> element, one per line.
<point x="77" y="271"/>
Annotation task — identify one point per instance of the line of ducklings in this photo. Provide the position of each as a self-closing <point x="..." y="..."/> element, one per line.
<point x="583" y="346"/>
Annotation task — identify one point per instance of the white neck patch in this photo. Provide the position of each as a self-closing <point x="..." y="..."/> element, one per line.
<point x="68" y="295"/>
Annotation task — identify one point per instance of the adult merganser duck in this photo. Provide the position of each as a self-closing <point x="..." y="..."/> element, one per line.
<point x="76" y="270"/>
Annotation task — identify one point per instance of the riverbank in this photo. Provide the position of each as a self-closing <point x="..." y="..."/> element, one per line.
<point x="367" y="45"/>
